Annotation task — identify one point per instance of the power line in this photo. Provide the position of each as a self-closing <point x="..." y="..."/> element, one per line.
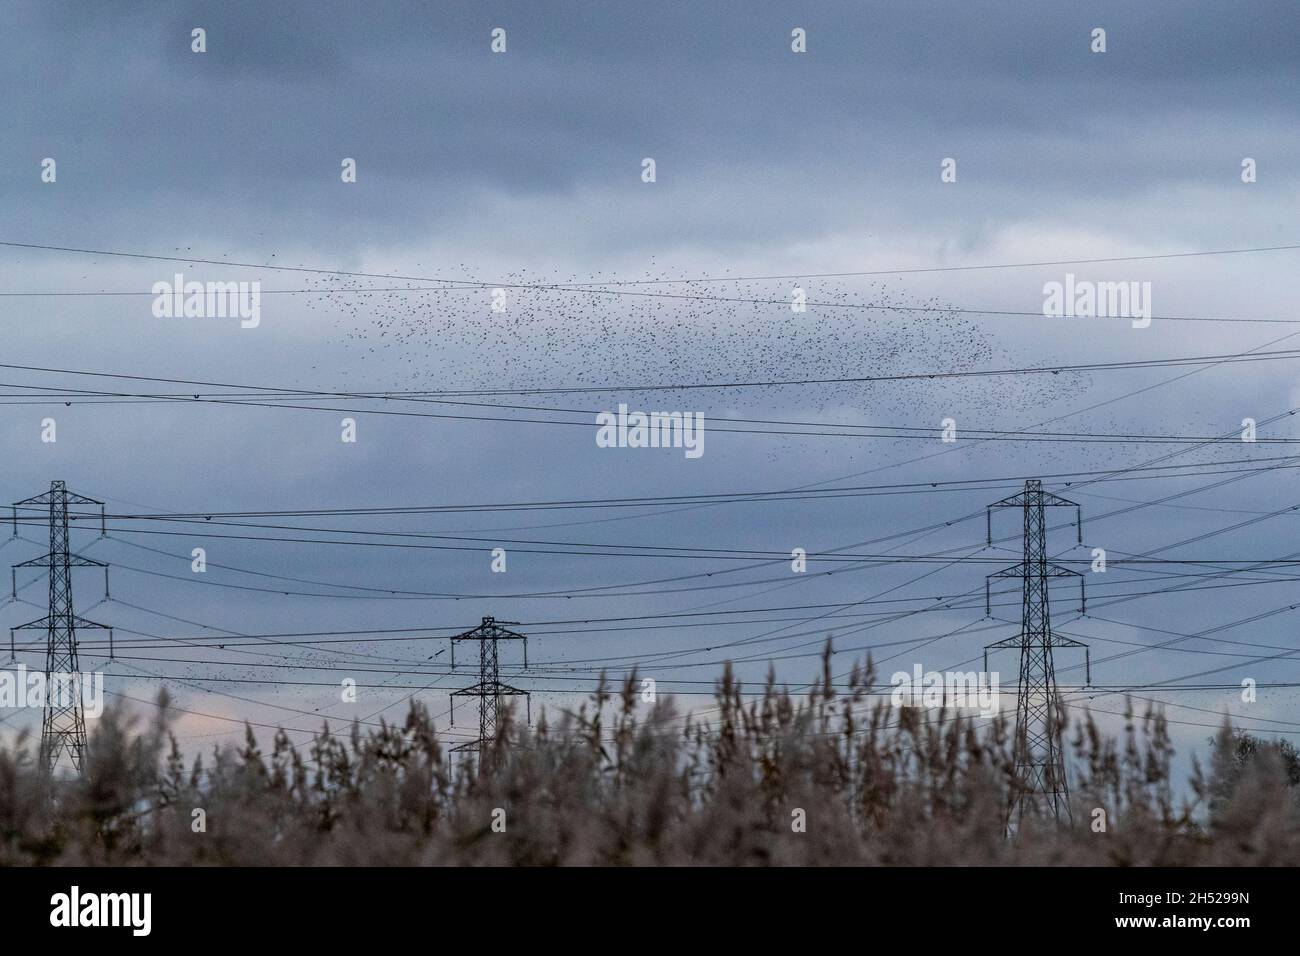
<point x="271" y="391"/>
<point x="609" y="289"/>
<point x="792" y="429"/>
<point x="1066" y="479"/>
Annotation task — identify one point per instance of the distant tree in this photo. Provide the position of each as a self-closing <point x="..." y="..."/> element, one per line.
<point x="1236" y="753"/>
<point x="1246" y="749"/>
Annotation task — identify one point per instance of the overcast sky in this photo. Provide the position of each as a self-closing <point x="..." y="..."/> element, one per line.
<point x="524" y="168"/>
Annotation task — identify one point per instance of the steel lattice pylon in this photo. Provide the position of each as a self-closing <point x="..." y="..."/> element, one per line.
<point x="489" y="689"/>
<point x="63" y="726"/>
<point x="1041" y="786"/>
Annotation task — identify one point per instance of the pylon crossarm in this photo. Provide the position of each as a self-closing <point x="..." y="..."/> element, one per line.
<point x="488" y="690"/>
<point x="73" y="498"/>
<point x="1015" y="571"/>
<point x="44" y="498"/>
<point x="1058" y="641"/>
<point x="1049" y="570"/>
<point x="1052" y="570"/>
<point x="1016" y="641"/>
<point x="41" y="623"/>
<point x="47" y="497"/>
<point x="1014" y="501"/>
<point x="1049" y="501"/>
<point x="1056" y="501"/>
<point x="44" y="624"/>
<point x="73" y="561"/>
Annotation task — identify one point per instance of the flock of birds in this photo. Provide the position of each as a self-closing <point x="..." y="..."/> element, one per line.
<point x="653" y="329"/>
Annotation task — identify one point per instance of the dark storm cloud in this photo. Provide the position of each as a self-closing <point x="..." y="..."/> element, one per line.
<point x="256" y="127"/>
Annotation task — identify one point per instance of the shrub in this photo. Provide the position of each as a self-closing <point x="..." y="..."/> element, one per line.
<point x="613" y="783"/>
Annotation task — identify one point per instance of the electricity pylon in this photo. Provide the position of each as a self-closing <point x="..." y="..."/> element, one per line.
<point x="63" y="726"/>
<point x="1040" y="786"/>
<point x="489" y="689"/>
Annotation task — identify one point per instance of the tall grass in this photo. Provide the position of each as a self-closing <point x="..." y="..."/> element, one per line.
<point x="620" y="782"/>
